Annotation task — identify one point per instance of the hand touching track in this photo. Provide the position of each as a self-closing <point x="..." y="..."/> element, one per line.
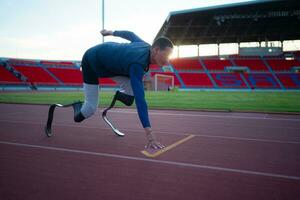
<point x="152" y="141"/>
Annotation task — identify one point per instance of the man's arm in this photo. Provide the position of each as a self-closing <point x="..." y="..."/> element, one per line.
<point x="136" y="77"/>
<point x="127" y="35"/>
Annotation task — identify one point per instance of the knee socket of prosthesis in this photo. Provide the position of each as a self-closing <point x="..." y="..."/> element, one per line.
<point x="124" y="98"/>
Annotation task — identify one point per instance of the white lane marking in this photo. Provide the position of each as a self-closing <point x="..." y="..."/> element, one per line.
<point x="247" y="139"/>
<point x="251" y="126"/>
<point x="205" y="115"/>
<point x="162" y="132"/>
<point x="182" y="164"/>
<point x="165" y="113"/>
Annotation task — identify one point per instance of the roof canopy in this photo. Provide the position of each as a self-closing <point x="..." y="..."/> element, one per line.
<point x="234" y="23"/>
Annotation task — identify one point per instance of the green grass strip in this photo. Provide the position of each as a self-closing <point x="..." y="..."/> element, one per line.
<point x="211" y="100"/>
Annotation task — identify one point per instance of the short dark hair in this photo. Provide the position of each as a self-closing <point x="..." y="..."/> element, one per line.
<point x="163" y="43"/>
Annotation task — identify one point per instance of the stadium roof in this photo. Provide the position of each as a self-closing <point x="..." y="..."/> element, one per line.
<point x="250" y="21"/>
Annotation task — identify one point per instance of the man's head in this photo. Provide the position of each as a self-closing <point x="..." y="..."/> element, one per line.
<point x="161" y="50"/>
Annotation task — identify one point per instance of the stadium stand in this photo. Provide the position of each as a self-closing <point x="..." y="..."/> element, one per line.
<point x="36" y="75"/>
<point x="289" y="80"/>
<point x="57" y="63"/>
<point x="6" y="77"/>
<point x="196" y="80"/>
<point x="36" y="72"/>
<point x="186" y="64"/>
<point x="259" y="77"/>
<point x="255" y="66"/>
<point x="252" y="64"/>
<point x="261" y="80"/>
<point x="282" y="64"/>
<point x="107" y="82"/>
<point x="69" y="76"/>
<point x="22" y="62"/>
<point x="229" y="80"/>
<point x="216" y="64"/>
<point x="189" y="73"/>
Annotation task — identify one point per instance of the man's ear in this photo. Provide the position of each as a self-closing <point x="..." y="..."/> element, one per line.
<point x="156" y="49"/>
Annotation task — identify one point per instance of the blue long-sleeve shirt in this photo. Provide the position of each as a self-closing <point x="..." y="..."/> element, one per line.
<point x="124" y="59"/>
<point x="136" y="79"/>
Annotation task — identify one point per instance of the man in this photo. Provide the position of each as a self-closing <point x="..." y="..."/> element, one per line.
<point x="125" y="63"/>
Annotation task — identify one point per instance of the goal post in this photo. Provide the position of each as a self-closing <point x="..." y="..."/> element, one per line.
<point x="163" y="82"/>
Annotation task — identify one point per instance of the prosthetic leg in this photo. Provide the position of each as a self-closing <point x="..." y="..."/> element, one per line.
<point x="124" y="98"/>
<point x="77" y="117"/>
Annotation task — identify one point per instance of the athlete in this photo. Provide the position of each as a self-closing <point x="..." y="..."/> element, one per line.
<point x="125" y="63"/>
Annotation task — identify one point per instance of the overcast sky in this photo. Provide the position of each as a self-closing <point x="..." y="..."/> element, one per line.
<point x="63" y="30"/>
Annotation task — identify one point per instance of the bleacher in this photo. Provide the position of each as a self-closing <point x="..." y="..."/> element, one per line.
<point x="200" y="72"/>
<point x="228" y="80"/>
<point x="261" y="80"/>
<point x="252" y="64"/>
<point x="67" y="76"/>
<point x="6" y="77"/>
<point x="36" y="75"/>
<point x="282" y="64"/>
<point x="57" y="63"/>
<point x="216" y="64"/>
<point x="186" y="64"/>
<point x="290" y="80"/>
<point x="200" y="80"/>
<point x="107" y="82"/>
<point x="22" y="62"/>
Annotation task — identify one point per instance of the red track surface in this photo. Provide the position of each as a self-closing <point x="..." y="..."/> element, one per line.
<point x="233" y="156"/>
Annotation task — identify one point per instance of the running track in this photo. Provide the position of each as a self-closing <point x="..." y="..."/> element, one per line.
<point x="232" y="156"/>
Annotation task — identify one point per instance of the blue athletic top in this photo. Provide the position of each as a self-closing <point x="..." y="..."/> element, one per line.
<point x="124" y="59"/>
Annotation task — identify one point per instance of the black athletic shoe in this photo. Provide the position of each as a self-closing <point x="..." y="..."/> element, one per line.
<point x="78" y="117"/>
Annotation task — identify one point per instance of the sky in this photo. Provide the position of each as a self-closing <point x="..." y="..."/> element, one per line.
<point x="64" y="30"/>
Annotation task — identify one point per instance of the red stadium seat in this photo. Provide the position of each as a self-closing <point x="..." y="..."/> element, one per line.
<point x="228" y="80"/>
<point x="36" y="75"/>
<point x="7" y="77"/>
<point x="282" y="64"/>
<point x="261" y="80"/>
<point x="186" y="64"/>
<point x="216" y="64"/>
<point x="264" y="80"/>
<point x="290" y="80"/>
<point x="253" y="64"/>
<point x="107" y="82"/>
<point x="68" y="76"/>
<point x="74" y="77"/>
<point x="196" y="80"/>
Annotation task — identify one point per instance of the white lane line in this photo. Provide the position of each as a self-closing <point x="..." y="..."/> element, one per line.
<point x="247" y="139"/>
<point x="165" y="113"/>
<point x="251" y="126"/>
<point x="162" y="132"/>
<point x="203" y="115"/>
<point x="182" y="164"/>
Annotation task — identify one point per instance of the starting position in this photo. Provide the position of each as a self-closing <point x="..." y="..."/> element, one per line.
<point x="126" y="64"/>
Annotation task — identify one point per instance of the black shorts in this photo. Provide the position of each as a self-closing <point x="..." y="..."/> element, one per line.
<point x="89" y="75"/>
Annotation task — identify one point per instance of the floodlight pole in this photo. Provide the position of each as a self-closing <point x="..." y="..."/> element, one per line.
<point x="102" y="19"/>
